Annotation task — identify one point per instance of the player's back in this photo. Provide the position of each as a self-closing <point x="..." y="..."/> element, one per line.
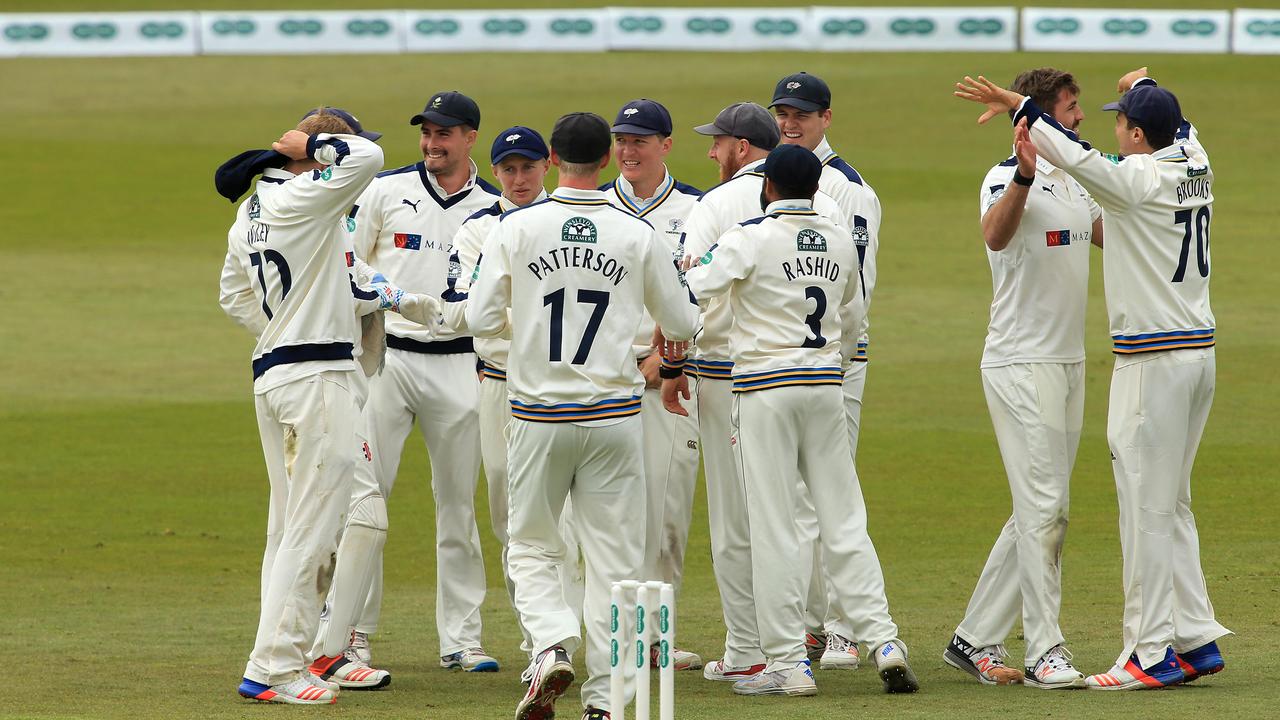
<point x="578" y="284"/>
<point x="788" y="275"/>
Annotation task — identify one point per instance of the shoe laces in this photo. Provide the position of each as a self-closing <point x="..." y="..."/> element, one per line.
<point x="353" y="657"/>
<point x="995" y="653"/>
<point x="359" y="640"/>
<point x="473" y="651"/>
<point x="839" y="643"/>
<point x="1058" y="658"/>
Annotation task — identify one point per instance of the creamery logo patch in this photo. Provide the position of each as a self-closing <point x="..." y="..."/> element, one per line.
<point x="810" y="241"/>
<point x="578" y="230"/>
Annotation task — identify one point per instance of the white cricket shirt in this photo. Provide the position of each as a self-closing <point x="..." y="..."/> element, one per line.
<point x="1040" y="280"/>
<point x="576" y="273"/>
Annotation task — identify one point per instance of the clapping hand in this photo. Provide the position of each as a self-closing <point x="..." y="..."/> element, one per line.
<point x="982" y="90"/>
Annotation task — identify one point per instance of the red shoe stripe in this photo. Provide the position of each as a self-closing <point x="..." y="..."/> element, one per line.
<point x="265" y="695"/>
<point x="1132" y="668"/>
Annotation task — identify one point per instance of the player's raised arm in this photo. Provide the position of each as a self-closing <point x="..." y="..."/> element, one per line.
<point x="490" y="295"/>
<point x="349" y="164"/>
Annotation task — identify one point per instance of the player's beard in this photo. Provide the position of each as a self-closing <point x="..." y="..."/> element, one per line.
<point x="764" y="202"/>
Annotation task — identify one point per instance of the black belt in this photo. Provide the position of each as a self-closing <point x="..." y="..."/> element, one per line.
<point x="443" y="347"/>
<point x="290" y="354"/>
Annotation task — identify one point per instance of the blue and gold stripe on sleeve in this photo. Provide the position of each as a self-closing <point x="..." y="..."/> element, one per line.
<point x="1155" y="342"/>
<point x="576" y="412"/>
<point x="783" y="377"/>
<point x="493" y="371"/>
<point x="861" y="354"/>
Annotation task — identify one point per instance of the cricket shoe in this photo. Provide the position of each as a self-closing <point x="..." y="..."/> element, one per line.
<point x="469" y="660"/>
<point x="552" y="675"/>
<point x="592" y="713"/>
<point x="1204" y="660"/>
<point x="332" y="687"/>
<point x="815" y="644"/>
<point x="359" y="644"/>
<point x="298" y="691"/>
<point x="984" y="663"/>
<point x="841" y="654"/>
<point x="895" y="673"/>
<point x="794" y="680"/>
<point x="1133" y="676"/>
<point x="718" y="671"/>
<point x="1054" y="671"/>
<point x="349" y="672"/>
<point x="680" y="659"/>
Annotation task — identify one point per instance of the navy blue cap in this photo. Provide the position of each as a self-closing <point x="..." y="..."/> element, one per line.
<point x="792" y="166"/>
<point x="643" y="117"/>
<point x="1151" y="108"/>
<point x="518" y="140"/>
<point x="347" y="118"/>
<point x="581" y="137"/>
<point x="802" y="90"/>
<point x="447" y="109"/>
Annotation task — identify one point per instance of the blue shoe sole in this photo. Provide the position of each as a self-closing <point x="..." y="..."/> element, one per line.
<point x="491" y="666"/>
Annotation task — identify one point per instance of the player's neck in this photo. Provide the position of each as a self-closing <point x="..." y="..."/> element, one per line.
<point x="455" y="180"/>
<point x="647" y="187"/>
<point x="579" y="182"/>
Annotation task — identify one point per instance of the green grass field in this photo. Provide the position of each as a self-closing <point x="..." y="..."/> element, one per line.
<point x="132" y="488"/>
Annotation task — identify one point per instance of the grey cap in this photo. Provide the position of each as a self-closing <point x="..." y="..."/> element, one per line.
<point x="745" y="120"/>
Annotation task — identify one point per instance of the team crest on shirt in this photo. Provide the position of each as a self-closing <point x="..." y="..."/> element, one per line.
<point x="677" y="225"/>
<point x="455" y="268"/>
<point x="861" y="237"/>
<point x="255" y="207"/>
<point x="810" y="241"/>
<point x="578" y="230"/>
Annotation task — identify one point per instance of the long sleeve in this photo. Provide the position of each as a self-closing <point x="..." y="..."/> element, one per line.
<point x="352" y="163"/>
<point x="490" y="296"/>
<point x="721" y="266"/>
<point x="237" y="299"/>
<point x="670" y="304"/>
<point x="1117" y="184"/>
<point x="701" y="230"/>
<point x="368" y="221"/>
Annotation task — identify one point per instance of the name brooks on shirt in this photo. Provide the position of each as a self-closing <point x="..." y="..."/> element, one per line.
<point x="578" y="257"/>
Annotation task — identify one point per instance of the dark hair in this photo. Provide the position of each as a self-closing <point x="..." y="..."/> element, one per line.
<point x="789" y="192"/>
<point x="1043" y="85"/>
<point x="1156" y="141"/>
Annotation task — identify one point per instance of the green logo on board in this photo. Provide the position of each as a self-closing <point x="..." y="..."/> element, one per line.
<point x="983" y="26"/>
<point x="369" y="27"/>
<point x="1066" y="25"/>
<point x="443" y="27"/>
<point x="1120" y="26"/>
<point x="918" y="26"/>
<point x="156" y="30"/>
<point x="234" y="27"/>
<point x="578" y="230"/>
<point x="852" y="26"/>
<point x="301" y="27"/>
<point x="631" y="23"/>
<point x="35" y="31"/>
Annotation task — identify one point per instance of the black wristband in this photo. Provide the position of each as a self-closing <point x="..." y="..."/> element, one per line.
<point x="1023" y="180"/>
<point x="670" y="373"/>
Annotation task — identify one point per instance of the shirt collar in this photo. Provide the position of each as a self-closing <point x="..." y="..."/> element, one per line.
<point x="1042" y="166"/>
<point x="276" y="175"/>
<point x="470" y="183"/>
<point x="506" y="205"/>
<point x="791" y="204"/>
<point x="824" y="151"/>
<point x="574" y="196"/>
<point x="753" y="166"/>
<point x="639" y="205"/>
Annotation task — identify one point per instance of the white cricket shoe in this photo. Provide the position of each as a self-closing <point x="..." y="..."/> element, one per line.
<point x="359" y="644"/>
<point x="891" y="662"/>
<point x="841" y="654"/>
<point x="718" y="671"/>
<point x="333" y="687"/>
<point x="1054" y="671"/>
<point x="470" y="660"/>
<point x="984" y="663"/>
<point x="298" y="691"/>
<point x="349" y="672"/>
<point x="552" y="675"/>
<point x="680" y="659"/>
<point x="793" y="680"/>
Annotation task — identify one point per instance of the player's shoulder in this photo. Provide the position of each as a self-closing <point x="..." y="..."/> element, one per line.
<point x="488" y="187"/>
<point x="493" y="210"/>
<point x="607" y="186"/>
<point x="737" y="181"/>
<point x="844" y="169"/>
<point x="411" y="168"/>
<point x="1001" y="172"/>
<point x="627" y="215"/>
<point x="757" y="220"/>
<point x="521" y="211"/>
<point x="687" y="189"/>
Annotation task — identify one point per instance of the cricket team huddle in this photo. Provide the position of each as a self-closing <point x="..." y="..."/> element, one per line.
<point x="591" y="345"/>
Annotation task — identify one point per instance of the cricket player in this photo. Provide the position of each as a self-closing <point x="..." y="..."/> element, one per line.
<point x="789" y="274"/>
<point x="802" y="105"/>
<point x="645" y="188"/>
<point x="1037" y="222"/>
<point x="287" y="246"/>
<point x="519" y="160"/>
<point x="1158" y="197"/>
<point x="570" y="278"/>
<point x="406" y="222"/>
<point x="742" y="136"/>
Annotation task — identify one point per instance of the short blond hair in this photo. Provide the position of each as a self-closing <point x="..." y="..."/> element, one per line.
<point x="324" y="121"/>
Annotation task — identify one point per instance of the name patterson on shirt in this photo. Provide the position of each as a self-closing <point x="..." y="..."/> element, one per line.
<point x="578" y="257"/>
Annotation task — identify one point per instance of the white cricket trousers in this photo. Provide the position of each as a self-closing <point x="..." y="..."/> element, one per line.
<point x="1159" y="405"/>
<point x="601" y="469"/>
<point x="360" y="541"/>
<point x="441" y="392"/>
<point x="307" y="427"/>
<point x="1037" y="410"/>
<point x="671" y="476"/>
<point x="818" y="613"/>
<point x="785" y="436"/>
<point x="727" y="519"/>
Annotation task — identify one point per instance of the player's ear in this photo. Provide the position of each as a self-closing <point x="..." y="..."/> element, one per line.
<point x="555" y="159"/>
<point x="604" y="161"/>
